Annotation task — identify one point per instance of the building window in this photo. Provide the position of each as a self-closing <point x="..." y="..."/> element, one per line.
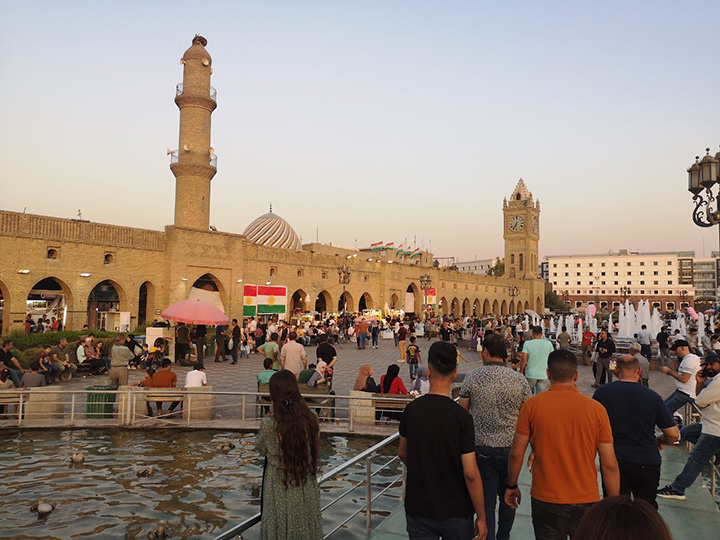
<point x="670" y="305"/>
<point x="655" y="263"/>
<point x="578" y="283"/>
<point x="554" y="274"/>
<point x="669" y="292"/>
<point x="615" y="273"/>
<point x="521" y="262"/>
<point x="642" y="283"/>
<point x="300" y="273"/>
<point x="512" y="258"/>
<point x="655" y="283"/>
<point x="629" y="282"/>
<point x="566" y="274"/>
<point x="615" y="264"/>
<point x="615" y="283"/>
<point x="669" y="272"/>
<point x="567" y="283"/>
<point x="578" y="304"/>
<point x="554" y="265"/>
<point x="669" y="263"/>
<point x="656" y="304"/>
<point x="578" y="265"/>
<point x="602" y="283"/>
<point x="642" y="263"/>
<point x="109" y="258"/>
<point x="566" y="265"/>
<point x="273" y="271"/>
<point x="365" y="279"/>
<point x="602" y="264"/>
<point x="554" y="282"/>
<point x="655" y="273"/>
<point x="670" y="282"/>
<point x="627" y="263"/>
<point x="323" y="275"/>
<point x="656" y="292"/>
<point x="602" y="273"/>
<point x="642" y="272"/>
<point x="53" y="253"/>
<point x="590" y="265"/>
<point x="629" y="273"/>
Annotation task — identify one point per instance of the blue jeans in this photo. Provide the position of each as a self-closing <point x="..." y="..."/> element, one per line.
<point x="395" y="338"/>
<point x="413" y="369"/>
<point x="448" y="529"/>
<point x="707" y="446"/>
<point x="691" y="433"/>
<point x="676" y="400"/>
<point x="361" y="340"/>
<point x="15" y="376"/>
<point x="556" y="521"/>
<point x="538" y="385"/>
<point x="493" y="466"/>
<point x="374" y="340"/>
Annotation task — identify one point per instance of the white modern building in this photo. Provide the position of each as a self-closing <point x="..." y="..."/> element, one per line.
<point x="476" y="267"/>
<point x="606" y="280"/>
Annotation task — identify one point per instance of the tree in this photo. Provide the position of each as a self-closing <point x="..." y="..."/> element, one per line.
<point x="554" y="302"/>
<point x="497" y="269"/>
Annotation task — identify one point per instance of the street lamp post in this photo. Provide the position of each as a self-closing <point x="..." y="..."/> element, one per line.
<point x="625" y="291"/>
<point x="683" y="294"/>
<point x="425" y="284"/>
<point x="513" y="291"/>
<point x="344" y="279"/>
<point x="566" y="295"/>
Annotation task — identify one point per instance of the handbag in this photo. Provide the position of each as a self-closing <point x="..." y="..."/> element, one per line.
<point x="230" y="343"/>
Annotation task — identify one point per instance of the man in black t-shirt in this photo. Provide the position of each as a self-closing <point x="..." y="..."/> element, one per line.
<point x="10" y="363"/>
<point x="327" y="354"/>
<point x="663" y="348"/>
<point x="634" y="411"/>
<point x="437" y="444"/>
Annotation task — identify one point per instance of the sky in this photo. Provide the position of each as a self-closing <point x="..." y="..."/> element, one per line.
<point x="367" y="121"/>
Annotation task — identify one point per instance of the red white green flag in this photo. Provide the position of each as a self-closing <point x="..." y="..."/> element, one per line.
<point x="377" y="246"/>
<point x="431" y="298"/>
<point x="264" y="300"/>
<point x="390" y="245"/>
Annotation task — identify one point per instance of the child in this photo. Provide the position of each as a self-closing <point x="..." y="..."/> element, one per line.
<point x="46" y="366"/>
<point x="144" y="356"/>
<point x="413" y="357"/>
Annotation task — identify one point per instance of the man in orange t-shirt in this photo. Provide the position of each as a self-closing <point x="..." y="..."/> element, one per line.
<point x="567" y="430"/>
<point x="165" y="378"/>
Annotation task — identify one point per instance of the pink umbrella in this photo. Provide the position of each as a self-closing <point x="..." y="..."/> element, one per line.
<point x="195" y="312"/>
<point x="693" y="314"/>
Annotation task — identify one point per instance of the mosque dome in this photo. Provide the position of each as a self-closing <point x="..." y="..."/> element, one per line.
<point x="273" y="231"/>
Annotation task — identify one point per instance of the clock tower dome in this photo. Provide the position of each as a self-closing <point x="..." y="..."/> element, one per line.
<point x="521" y="231"/>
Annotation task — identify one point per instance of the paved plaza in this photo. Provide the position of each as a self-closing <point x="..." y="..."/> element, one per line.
<point x="225" y="377"/>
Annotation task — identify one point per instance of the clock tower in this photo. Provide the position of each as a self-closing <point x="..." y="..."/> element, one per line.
<point x="521" y="231"/>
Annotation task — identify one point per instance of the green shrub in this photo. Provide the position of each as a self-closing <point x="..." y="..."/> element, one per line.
<point x="28" y="356"/>
<point x="23" y="341"/>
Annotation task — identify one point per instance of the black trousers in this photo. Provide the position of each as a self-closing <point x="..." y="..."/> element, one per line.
<point x="639" y="480"/>
<point x="556" y="521"/>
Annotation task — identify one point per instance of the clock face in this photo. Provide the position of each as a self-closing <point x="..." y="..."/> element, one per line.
<point x="535" y="224"/>
<point x="516" y="223"/>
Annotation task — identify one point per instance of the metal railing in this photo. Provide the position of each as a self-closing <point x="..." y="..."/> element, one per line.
<point x="127" y="406"/>
<point x="367" y="456"/>
<point x="180" y="88"/>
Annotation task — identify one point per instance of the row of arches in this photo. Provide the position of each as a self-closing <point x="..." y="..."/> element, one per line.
<point x="467" y="307"/>
<point x="53" y="297"/>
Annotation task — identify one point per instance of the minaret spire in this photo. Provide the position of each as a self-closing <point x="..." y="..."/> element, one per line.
<point x="194" y="162"/>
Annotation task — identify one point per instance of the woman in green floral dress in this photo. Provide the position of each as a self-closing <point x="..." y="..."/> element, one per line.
<point x="289" y="439"/>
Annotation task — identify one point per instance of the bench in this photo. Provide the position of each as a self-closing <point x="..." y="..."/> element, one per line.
<point x="8" y="398"/>
<point x="42" y="403"/>
<point x="306" y="391"/>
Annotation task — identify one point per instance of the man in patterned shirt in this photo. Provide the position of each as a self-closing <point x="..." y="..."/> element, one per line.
<point x="494" y="393"/>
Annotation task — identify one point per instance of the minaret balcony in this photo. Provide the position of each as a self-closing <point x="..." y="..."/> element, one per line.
<point x="175" y="158"/>
<point x="180" y="88"/>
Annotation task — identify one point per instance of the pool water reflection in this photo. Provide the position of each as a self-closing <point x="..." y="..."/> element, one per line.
<point x="197" y="487"/>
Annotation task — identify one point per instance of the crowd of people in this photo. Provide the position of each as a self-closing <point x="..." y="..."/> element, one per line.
<point x="463" y="459"/>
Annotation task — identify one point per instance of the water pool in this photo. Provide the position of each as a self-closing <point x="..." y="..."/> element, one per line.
<point x="196" y="487"/>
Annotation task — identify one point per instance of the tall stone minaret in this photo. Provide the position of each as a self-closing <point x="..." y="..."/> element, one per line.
<point x="194" y="164"/>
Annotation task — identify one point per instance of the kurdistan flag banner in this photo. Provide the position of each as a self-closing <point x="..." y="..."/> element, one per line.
<point x="250" y="301"/>
<point x="431" y="295"/>
<point x="264" y="300"/>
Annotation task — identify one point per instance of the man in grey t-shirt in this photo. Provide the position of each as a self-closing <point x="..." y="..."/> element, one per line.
<point x="494" y="393"/>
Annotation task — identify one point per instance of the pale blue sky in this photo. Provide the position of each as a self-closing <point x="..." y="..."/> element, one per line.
<point x="375" y="120"/>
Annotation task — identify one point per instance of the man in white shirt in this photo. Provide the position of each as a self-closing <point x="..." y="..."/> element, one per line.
<point x="196" y="377"/>
<point x="684" y="376"/>
<point x="292" y="355"/>
<point x="645" y="340"/>
<point x="708" y="444"/>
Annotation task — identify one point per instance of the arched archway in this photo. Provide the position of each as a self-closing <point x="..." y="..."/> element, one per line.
<point x="345" y="303"/>
<point x="455" y="307"/>
<point x="51" y="297"/>
<point x="511" y="307"/>
<point x="519" y="307"/>
<point x="104" y="304"/>
<point x="146" y="302"/>
<point x="495" y="308"/>
<point x="4" y="309"/>
<point x="527" y="305"/>
<point x="394" y="302"/>
<point x="503" y="308"/>
<point x="486" y="306"/>
<point x="476" y="307"/>
<point x="413" y="299"/>
<point x="466" y="307"/>
<point x="210" y="289"/>
<point x="443" y="306"/>
<point x="323" y="302"/>
<point x="298" y="302"/>
<point x="365" y="302"/>
<point x="539" y="305"/>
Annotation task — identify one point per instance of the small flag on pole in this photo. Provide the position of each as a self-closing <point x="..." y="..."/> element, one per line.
<point x="377" y="246"/>
<point x="399" y="251"/>
<point x="431" y="298"/>
<point x="391" y="245"/>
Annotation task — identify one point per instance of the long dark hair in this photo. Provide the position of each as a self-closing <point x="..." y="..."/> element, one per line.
<point x="297" y="428"/>
<point x="392" y="372"/>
